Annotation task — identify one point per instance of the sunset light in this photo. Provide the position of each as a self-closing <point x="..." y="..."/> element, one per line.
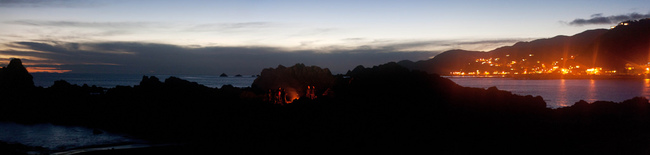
<point x="46" y="70"/>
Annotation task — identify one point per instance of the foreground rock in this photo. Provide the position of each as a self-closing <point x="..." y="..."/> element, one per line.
<point x="15" y="77"/>
<point x="383" y="109"/>
<point x="296" y="81"/>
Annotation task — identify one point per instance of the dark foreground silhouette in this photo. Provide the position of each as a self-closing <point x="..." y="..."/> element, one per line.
<point x="383" y="109"/>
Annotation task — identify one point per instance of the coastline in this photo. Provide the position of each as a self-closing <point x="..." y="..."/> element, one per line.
<point x="380" y="109"/>
<point x="551" y="76"/>
<point x="113" y="80"/>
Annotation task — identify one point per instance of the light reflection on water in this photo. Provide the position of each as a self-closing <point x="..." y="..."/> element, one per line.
<point x="565" y="92"/>
<point x="561" y="93"/>
<point x="55" y="137"/>
<point x="591" y="92"/>
<point x="646" y="87"/>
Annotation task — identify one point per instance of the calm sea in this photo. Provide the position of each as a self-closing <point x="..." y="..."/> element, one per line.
<point x="57" y="137"/>
<point x="556" y="92"/>
<point x="565" y="92"/>
<point x="112" y="80"/>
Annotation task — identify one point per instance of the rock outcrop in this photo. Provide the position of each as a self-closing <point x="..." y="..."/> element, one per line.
<point x="15" y="77"/>
<point x="295" y="79"/>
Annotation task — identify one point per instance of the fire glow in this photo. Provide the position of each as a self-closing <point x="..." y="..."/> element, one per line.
<point x="292" y="94"/>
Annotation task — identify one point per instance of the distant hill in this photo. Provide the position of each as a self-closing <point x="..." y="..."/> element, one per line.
<point x="628" y="43"/>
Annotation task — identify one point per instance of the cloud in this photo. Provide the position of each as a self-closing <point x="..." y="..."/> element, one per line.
<point x="153" y="58"/>
<point x="158" y="58"/>
<point x="82" y="31"/>
<point x="597" y="19"/>
<point x="79" y="31"/>
<point x="116" y="25"/>
<point x="229" y="27"/>
<point x="353" y="39"/>
<point x="315" y="31"/>
<point x="244" y="25"/>
<point x="308" y="43"/>
<point x="48" y="3"/>
<point x="436" y="45"/>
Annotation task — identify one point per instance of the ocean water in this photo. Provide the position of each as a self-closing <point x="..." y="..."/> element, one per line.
<point x="56" y="137"/>
<point x="112" y="80"/>
<point x="565" y="92"/>
<point x="556" y="92"/>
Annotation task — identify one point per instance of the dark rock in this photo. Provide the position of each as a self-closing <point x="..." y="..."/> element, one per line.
<point x="295" y="79"/>
<point x="15" y="77"/>
<point x="150" y="81"/>
<point x="97" y="132"/>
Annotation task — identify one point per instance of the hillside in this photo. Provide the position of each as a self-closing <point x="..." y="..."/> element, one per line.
<point x="621" y="50"/>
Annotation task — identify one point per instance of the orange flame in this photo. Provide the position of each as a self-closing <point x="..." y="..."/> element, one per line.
<point x="292" y="94"/>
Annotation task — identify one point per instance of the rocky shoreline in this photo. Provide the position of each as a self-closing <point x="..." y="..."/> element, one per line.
<point x="385" y="108"/>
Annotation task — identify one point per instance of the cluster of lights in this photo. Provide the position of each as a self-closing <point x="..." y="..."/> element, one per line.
<point x="623" y="24"/>
<point x="637" y="69"/>
<point x="488" y="61"/>
<point x="515" y="67"/>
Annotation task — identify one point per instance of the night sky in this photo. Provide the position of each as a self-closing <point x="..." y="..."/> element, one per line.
<point x="243" y="37"/>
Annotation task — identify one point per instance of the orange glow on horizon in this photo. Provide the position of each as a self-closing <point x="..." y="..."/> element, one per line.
<point x="46" y="70"/>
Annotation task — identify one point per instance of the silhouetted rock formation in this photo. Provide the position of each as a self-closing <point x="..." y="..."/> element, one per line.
<point x="62" y="87"/>
<point x="172" y="87"/>
<point x="294" y="79"/>
<point x="15" y="77"/>
<point x="150" y="82"/>
<point x="223" y="75"/>
<point x="390" y="81"/>
<point x="384" y="109"/>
